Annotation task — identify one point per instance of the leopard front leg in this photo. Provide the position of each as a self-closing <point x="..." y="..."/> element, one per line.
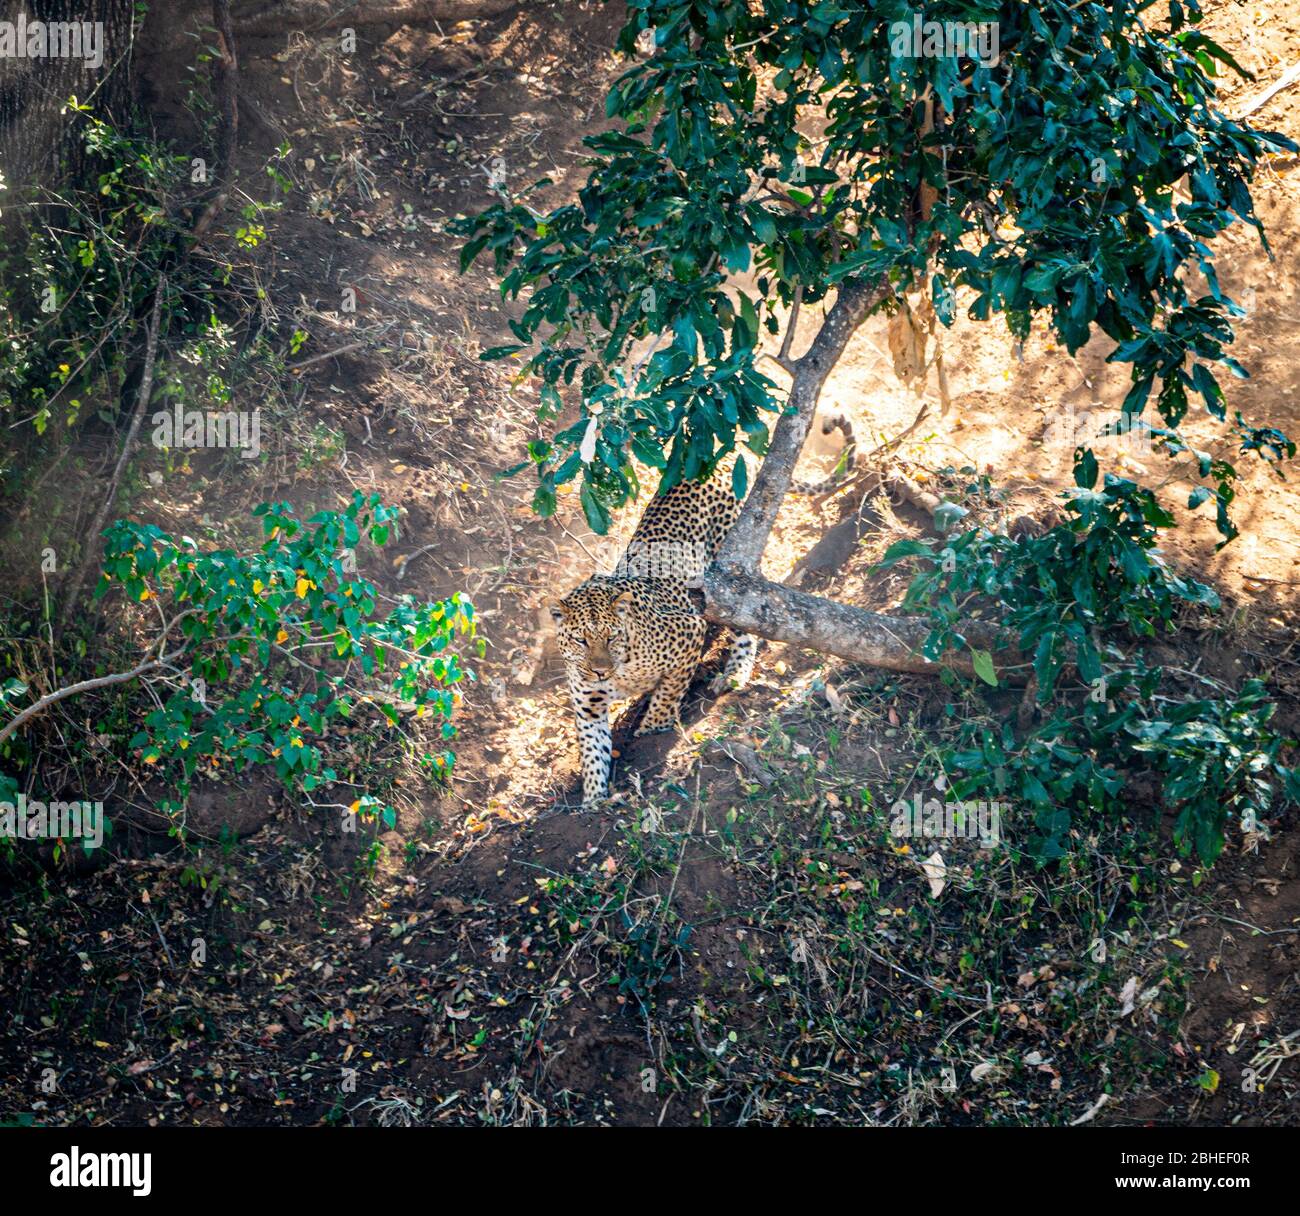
<point x="739" y="665"/>
<point x="666" y="701"/>
<point x="591" y="699"/>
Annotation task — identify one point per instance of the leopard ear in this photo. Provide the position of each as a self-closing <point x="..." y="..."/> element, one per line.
<point x="623" y="602"/>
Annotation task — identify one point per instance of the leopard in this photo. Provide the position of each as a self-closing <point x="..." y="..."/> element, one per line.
<point x="637" y="630"/>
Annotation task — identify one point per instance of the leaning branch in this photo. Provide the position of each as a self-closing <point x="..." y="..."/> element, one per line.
<point x="73" y="690"/>
<point x="145" y="666"/>
<point x="743" y="548"/>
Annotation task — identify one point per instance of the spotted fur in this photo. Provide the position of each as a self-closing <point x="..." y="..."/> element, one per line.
<point x="638" y="631"/>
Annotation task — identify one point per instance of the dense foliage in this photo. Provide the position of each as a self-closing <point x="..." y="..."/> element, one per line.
<point x="1076" y="174"/>
<point x="1085" y="596"/>
<point x="261" y="654"/>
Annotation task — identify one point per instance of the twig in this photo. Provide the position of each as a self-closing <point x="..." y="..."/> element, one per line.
<point x="1091" y="1113"/>
<point x="1248" y="925"/>
<point x="166" y="948"/>
<point x="72" y="690"/>
<point x="329" y="354"/>
<point x="782" y="357"/>
<point x="920" y="979"/>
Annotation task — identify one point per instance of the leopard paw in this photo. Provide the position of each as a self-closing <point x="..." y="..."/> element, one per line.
<point x="666" y="729"/>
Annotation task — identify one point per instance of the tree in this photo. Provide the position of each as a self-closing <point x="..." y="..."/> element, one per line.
<point x="1060" y="160"/>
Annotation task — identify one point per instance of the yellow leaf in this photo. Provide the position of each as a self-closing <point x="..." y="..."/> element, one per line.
<point x="301" y="588"/>
<point x="258" y="586"/>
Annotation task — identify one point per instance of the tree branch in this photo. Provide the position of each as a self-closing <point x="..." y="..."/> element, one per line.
<point x="226" y="79"/>
<point x="782" y="358"/>
<point x="118" y="677"/>
<point x="734" y="591"/>
<point x="752" y="604"/>
<point x="72" y="690"/>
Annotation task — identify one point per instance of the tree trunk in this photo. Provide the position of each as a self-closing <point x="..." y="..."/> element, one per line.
<point x="73" y="593"/>
<point x="743" y="548"/>
<point x="736" y="594"/>
<point x="226" y="73"/>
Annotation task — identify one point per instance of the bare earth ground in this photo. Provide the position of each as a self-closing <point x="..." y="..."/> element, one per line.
<point x="473" y="972"/>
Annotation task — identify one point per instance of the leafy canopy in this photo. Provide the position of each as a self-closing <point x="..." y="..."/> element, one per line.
<point x="1079" y="177"/>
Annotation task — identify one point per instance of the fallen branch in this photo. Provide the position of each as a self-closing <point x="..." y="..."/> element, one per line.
<point x="72" y="690"/>
<point x="328" y="354"/>
<point x="745" y="758"/>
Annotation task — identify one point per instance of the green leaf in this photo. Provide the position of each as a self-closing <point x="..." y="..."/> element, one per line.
<point x="739" y="478"/>
<point x="982" y="661"/>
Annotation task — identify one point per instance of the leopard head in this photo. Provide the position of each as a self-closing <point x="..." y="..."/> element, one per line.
<point x="593" y="624"/>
